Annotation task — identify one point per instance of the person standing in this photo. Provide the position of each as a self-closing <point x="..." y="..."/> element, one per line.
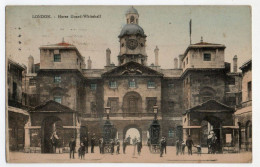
<point x="183" y="147"/>
<point x="112" y="143"/>
<point x="85" y="142"/>
<point x="72" y="145"/>
<point x="139" y="146"/>
<point x="178" y="147"/>
<point x="100" y="145"/>
<point x="162" y="146"/>
<point x="165" y="144"/>
<point x="117" y="146"/>
<point x="92" y="142"/>
<point x="124" y="145"/>
<point x="189" y="144"/>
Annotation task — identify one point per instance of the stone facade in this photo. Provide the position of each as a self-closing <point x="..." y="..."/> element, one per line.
<point x="132" y="88"/>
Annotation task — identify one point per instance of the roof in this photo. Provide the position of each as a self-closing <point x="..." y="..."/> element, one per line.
<point x="132" y="10"/>
<point x="20" y="66"/>
<point x="212" y="106"/>
<point x="246" y="64"/>
<point x="52" y="106"/>
<point x="132" y="29"/>
<point x="203" y="45"/>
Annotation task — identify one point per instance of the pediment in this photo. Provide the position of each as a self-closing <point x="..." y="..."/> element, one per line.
<point x="132" y="69"/>
<point x="212" y="106"/>
<point x="51" y="106"/>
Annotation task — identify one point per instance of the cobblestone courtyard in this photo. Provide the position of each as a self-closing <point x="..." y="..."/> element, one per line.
<point x="146" y="156"/>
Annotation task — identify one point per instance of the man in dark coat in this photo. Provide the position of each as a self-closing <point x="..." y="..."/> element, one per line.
<point x="178" y="144"/>
<point x="162" y="146"/>
<point x="189" y="144"/>
<point x="117" y="146"/>
<point x="139" y="146"/>
<point x="72" y="145"/>
<point x="92" y="142"/>
<point x="112" y="143"/>
<point x="124" y="145"/>
<point x="85" y="142"/>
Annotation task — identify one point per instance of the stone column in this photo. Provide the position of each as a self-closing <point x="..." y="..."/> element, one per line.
<point x="108" y="52"/>
<point x="27" y="140"/>
<point x="156" y="52"/>
<point x="235" y="63"/>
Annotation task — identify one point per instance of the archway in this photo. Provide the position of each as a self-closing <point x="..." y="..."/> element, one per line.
<point x="52" y="134"/>
<point x="132" y="104"/>
<point x="208" y="124"/>
<point x="131" y="132"/>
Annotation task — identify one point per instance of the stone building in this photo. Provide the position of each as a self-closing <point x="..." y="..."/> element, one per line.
<point x="243" y="115"/>
<point x="17" y="111"/>
<point x="194" y="97"/>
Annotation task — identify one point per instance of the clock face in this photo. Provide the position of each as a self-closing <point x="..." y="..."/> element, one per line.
<point x="132" y="44"/>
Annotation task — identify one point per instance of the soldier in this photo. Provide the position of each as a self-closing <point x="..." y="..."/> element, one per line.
<point x="117" y="146"/>
<point x="92" y="142"/>
<point x="124" y="145"/>
<point x="72" y="145"/>
<point x="85" y="142"/>
<point x="189" y="144"/>
<point x="139" y="146"/>
<point x="178" y="147"/>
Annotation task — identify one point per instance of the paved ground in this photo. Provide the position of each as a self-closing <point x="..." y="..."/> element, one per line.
<point x="146" y="156"/>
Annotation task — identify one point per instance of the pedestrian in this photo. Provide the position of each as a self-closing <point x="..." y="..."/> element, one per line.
<point x="85" y="142"/>
<point x="162" y="146"/>
<point x="117" y="146"/>
<point x="189" y="144"/>
<point x="183" y="147"/>
<point x="100" y="141"/>
<point x="81" y="151"/>
<point x="198" y="149"/>
<point x="134" y="144"/>
<point x="124" y="145"/>
<point x="102" y="146"/>
<point x="139" y="146"/>
<point x="92" y="142"/>
<point x="165" y="144"/>
<point x="72" y="145"/>
<point x="178" y="147"/>
<point x="112" y="143"/>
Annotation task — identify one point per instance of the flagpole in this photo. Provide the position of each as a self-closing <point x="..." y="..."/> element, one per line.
<point x="190" y="30"/>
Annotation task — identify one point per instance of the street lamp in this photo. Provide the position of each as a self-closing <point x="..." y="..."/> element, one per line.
<point x="107" y="110"/>
<point x="155" y="111"/>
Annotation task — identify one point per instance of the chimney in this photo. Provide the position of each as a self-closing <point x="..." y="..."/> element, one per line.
<point x="108" y="52"/>
<point x="30" y="64"/>
<point x="89" y="63"/>
<point x="175" y="63"/>
<point x="156" y="51"/>
<point x="235" y="63"/>
<point x="180" y="61"/>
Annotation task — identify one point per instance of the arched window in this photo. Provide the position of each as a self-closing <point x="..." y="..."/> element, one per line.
<point x="206" y="94"/>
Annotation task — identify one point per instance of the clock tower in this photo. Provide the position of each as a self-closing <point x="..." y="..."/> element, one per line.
<point x="132" y="40"/>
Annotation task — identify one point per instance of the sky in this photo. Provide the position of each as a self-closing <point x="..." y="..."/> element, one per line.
<point x="165" y="26"/>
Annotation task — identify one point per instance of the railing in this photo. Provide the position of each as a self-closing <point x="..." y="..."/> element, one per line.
<point x="120" y="115"/>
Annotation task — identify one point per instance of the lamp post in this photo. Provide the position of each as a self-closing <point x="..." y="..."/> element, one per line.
<point x="155" y="111"/>
<point x="107" y="110"/>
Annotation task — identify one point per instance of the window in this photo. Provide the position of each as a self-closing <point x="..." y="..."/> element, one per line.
<point x="171" y="85"/>
<point x="207" y="57"/>
<point x="93" y="107"/>
<point x="170" y="133"/>
<point x="113" y="103"/>
<point x="132" y="84"/>
<point x="57" y="58"/>
<point x="57" y="79"/>
<point x="151" y="84"/>
<point x="93" y="86"/>
<point x="32" y="82"/>
<point x="183" y="64"/>
<point x="112" y="84"/>
<point x="57" y="99"/>
<point x="249" y="90"/>
<point x="187" y="60"/>
<point x="150" y="102"/>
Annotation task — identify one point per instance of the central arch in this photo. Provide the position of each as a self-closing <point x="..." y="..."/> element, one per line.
<point x="132" y="103"/>
<point x="136" y="131"/>
<point x="50" y="126"/>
